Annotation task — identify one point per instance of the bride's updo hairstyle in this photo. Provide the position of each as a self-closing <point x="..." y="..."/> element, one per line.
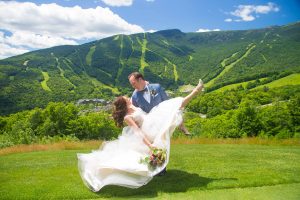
<point x="119" y="110"/>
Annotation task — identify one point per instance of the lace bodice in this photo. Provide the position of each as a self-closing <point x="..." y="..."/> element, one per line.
<point x="138" y="116"/>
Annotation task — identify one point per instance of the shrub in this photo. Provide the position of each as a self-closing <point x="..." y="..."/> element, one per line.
<point x="94" y="126"/>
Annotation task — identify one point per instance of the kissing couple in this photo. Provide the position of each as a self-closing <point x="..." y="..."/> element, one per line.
<point x="149" y="119"/>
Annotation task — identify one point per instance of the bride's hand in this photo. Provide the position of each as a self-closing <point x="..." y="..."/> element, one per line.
<point x="151" y="146"/>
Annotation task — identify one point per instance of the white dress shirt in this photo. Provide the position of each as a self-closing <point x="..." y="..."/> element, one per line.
<point x="146" y="94"/>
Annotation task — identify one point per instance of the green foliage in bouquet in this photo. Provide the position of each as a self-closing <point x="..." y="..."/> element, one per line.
<point x="156" y="158"/>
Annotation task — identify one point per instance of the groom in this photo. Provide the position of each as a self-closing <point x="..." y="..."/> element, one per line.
<point x="146" y="96"/>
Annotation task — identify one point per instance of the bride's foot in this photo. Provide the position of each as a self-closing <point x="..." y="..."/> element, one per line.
<point x="187" y="133"/>
<point x="195" y="91"/>
<point x="199" y="87"/>
<point x="184" y="130"/>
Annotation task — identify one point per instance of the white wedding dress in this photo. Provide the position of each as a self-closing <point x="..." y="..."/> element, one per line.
<point x="118" y="162"/>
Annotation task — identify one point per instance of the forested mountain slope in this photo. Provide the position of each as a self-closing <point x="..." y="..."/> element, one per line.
<point x="99" y="69"/>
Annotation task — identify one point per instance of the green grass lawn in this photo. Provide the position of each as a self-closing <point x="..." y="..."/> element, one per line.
<point x="293" y="79"/>
<point x="195" y="171"/>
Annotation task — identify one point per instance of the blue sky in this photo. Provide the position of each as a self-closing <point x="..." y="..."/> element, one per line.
<point x="30" y="25"/>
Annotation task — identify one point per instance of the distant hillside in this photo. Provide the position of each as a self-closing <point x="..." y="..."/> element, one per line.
<point x="99" y="69"/>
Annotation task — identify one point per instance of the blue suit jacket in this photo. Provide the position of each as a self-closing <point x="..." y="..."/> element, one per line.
<point x="157" y="95"/>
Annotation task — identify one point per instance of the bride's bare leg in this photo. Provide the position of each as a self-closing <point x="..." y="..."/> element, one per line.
<point x="195" y="91"/>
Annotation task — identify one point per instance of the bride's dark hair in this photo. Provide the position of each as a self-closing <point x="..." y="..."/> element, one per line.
<point x="119" y="110"/>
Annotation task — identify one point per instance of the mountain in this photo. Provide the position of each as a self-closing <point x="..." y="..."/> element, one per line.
<point x="99" y="69"/>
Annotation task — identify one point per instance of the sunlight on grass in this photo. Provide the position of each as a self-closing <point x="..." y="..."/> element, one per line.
<point x="228" y="67"/>
<point x="62" y="74"/>
<point x="116" y="38"/>
<point x="94" y="144"/>
<point x="64" y="145"/>
<point x="223" y="63"/>
<point x="88" y="58"/>
<point x="97" y="83"/>
<point x="121" y="61"/>
<point x="254" y="141"/>
<point x="132" y="46"/>
<point x="44" y="82"/>
<point x="144" y="48"/>
<point x="234" y="86"/>
<point x="176" y="76"/>
<point x="293" y="79"/>
<point x="195" y="171"/>
<point x="175" y="73"/>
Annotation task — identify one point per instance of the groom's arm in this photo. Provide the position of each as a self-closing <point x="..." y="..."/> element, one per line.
<point x="163" y="94"/>
<point x="133" y="100"/>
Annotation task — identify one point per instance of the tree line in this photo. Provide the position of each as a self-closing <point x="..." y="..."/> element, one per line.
<point x="273" y="113"/>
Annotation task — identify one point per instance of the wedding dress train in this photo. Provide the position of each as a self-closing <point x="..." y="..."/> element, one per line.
<point x="118" y="162"/>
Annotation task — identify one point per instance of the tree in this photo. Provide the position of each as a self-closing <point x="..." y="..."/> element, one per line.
<point x="276" y="120"/>
<point x="294" y="110"/>
<point x="94" y="126"/>
<point x="246" y="119"/>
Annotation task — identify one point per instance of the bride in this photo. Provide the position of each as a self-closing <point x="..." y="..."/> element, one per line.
<point x="118" y="162"/>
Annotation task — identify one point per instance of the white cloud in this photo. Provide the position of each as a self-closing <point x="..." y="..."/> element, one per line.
<point x="151" y="31"/>
<point x="118" y="2"/>
<point x="246" y="12"/>
<point x="228" y="20"/>
<point x="207" y="30"/>
<point x="32" y="40"/>
<point x="47" y="25"/>
<point x="69" y="22"/>
<point x="268" y="8"/>
<point x="7" y="51"/>
<point x="150" y="0"/>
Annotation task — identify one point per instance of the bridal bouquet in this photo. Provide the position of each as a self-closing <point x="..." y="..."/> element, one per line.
<point x="156" y="158"/>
